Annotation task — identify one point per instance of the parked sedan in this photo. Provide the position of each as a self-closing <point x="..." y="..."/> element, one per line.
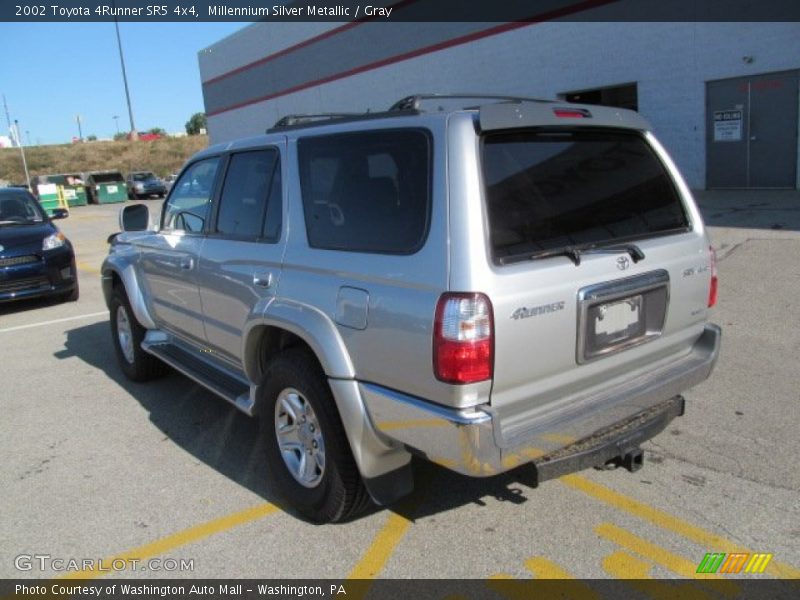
<point x="36" y="259"/>
<point x="142" y="184"/>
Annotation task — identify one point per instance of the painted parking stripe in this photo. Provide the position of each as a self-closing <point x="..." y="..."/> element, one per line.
<point x="84" y="266"/>
<point x="382" y="548"/>
<point x="669" y="522"/>
<point x="181" y="538"/>
<point x="54" y="321"/>
<point x="658" y="555"/>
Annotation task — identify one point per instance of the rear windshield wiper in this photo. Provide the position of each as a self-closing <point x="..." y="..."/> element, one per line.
<point x="632" y="249"/>
<point x="574" y="253"/>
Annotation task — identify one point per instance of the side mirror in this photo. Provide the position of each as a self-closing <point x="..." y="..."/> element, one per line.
<point x="135" y="217"/>
<point x="59" y="213"/>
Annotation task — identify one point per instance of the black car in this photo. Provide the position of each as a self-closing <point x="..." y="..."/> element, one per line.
<point x="36" y="259"/>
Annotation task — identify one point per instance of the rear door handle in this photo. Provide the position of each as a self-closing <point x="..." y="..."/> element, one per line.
<point x="264" y="280"/>
<point x="187" y="263"/>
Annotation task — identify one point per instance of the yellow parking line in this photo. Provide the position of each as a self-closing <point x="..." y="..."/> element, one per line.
<point x="557" y="583"/>
<point x="710" y="541"/>
<point x="657" y="554"/>
<point x="382" y="548"/>
<point x="83" y="266"/>
<point x="542" y="568"/>
<point x="181" y="538"/>
<point x="622" y="565"/>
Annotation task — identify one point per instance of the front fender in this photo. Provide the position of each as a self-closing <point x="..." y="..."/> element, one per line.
<point x="121" y="262"/>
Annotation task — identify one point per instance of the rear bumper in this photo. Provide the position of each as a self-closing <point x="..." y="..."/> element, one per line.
<point x="469" y="441"/>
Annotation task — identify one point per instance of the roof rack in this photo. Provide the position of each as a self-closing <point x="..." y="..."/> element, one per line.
<point x="413" y="102"/>
<point x="301" y="119"/>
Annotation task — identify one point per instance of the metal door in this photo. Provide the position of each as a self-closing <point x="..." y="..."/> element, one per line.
<point x="751" y="131"/>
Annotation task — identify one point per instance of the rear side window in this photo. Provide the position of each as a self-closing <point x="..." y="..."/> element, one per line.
<point x="248" y="194"/>
<point x="367" y="192"/>
<point x="550" y="189"/>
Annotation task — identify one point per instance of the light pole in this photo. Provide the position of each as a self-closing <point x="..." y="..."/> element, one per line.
<point x="116" y="122"/>
<point x="22" y="153"/>
<point x="80" y="132"/>
<point x="134" y="135"/>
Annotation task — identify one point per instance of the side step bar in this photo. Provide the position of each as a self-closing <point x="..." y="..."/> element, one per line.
<point x="223" y="383"/>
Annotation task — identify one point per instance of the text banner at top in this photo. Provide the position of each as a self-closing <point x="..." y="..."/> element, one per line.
<point x="400" y="11"/>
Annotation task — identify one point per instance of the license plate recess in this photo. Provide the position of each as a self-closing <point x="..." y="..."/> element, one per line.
<point x="617" y="315"/>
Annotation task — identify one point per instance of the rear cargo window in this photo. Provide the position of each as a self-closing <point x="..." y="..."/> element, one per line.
<point x="553" y="189"/>
<point x="366" y="192"/>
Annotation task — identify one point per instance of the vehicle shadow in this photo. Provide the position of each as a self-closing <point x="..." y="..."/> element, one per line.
<point x="199" y="422"/>
<point x="217" y="434"/>
<point x="17" y="306"/>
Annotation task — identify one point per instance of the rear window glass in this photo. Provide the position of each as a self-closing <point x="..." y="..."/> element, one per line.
<point x="551" y="189"/>
<point x="366" y="192"/>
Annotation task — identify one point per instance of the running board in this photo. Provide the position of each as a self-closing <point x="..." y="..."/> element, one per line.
<point x="223" y="383"/>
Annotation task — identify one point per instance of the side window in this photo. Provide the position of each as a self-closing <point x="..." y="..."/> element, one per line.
<point x="367" y="192"/>
<point x="248" y="194"/>
<point x="187" y="208"/>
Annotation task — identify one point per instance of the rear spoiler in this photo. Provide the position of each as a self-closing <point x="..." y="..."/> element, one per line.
<point x="516" y="115"/>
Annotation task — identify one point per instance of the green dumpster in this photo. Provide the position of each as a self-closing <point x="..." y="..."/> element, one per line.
<point x="73" y="186"/>
<point x="70" y="185"/>
<point x="50" y="194"/>
<point x="105" y="187"/>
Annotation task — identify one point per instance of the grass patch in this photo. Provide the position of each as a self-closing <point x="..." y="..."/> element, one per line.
<point x="160" y="156"/>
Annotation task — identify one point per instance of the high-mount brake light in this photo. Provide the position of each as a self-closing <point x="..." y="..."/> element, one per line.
<point x="463" y="338"/>
<point x="572" y="113"/>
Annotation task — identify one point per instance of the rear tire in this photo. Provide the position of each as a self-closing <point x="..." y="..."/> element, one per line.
<point x="308" y="455"/>
<point x="127" y="335"/>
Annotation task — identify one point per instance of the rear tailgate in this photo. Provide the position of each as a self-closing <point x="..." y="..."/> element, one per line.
<point x="600" y="269"/>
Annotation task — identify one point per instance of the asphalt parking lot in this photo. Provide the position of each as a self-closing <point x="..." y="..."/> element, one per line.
<point x="96" y="467"/>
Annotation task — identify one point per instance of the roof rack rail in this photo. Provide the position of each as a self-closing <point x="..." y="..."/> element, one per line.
<point x="413" y="102"/>
<point x="300" y="119"/>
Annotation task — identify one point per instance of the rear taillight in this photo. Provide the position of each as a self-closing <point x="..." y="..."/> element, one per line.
<point x="463" y="338"/>
<point x="712" y="290"/>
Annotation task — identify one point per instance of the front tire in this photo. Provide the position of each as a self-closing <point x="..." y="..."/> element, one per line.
<point x="308" y="455"/>
<point x="127" y="334"/>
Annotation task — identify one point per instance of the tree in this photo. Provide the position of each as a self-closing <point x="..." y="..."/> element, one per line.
<point x="157" y="131"/>
<point x="91" y="138"/>
<point x="196" y="123"/>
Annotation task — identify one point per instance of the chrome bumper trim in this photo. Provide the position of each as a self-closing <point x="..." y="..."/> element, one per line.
<point x="465" y="440"/>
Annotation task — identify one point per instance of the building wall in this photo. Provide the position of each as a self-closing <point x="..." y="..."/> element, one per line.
<point x="670" y="62"/>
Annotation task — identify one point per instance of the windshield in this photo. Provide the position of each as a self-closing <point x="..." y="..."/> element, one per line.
<point x="552" y="189"/>
<point x="143" y="176"/>
<point x="19" y="208"/>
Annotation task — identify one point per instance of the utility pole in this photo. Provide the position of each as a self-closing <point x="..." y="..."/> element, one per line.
<point x="22" y="152"/>
<point x="134" y="135"/>
<point x="80" y="132"/>
<point x="8" y="118"/>
<point x="116" y="122"/>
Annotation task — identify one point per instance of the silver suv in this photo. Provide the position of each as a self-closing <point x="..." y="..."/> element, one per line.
<point x="515" y="283"/>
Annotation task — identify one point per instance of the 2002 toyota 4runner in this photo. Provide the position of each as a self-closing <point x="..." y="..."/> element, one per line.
<point x="519" y="282"/>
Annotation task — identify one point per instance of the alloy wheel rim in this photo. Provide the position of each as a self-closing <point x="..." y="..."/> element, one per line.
<point x="124" y="334"/>
<point x="300" y="439"/>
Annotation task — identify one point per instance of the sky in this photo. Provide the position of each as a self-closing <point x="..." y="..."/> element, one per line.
<point x="51" y="72"/>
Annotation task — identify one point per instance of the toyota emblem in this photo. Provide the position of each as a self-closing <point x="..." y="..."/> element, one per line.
<point x="623" y="262"/>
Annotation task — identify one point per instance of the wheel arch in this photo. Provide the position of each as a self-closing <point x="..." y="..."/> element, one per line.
<point x="116" y="272"/>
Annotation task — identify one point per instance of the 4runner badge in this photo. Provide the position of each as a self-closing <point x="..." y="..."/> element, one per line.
<point x="524" y="312"/>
